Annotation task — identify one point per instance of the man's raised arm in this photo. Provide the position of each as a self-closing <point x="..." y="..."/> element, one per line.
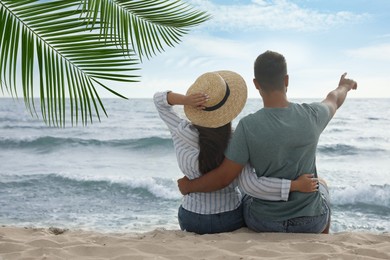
<point x="336" y="97"/>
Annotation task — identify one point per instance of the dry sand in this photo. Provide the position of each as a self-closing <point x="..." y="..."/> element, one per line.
<point x="53" y="243"/>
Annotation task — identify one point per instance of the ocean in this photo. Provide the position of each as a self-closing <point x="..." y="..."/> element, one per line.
<point x="119" y="175"/>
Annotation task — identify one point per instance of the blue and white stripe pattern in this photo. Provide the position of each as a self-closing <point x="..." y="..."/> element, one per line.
<point x="185" y="140"/>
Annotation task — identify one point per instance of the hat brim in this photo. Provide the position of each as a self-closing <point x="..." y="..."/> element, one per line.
<point x="230" y="110"/>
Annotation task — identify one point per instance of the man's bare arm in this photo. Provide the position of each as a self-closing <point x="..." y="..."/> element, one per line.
<point x="214" y="180"/>
<point x="336" y="97"/>
<point x="222" y="176"/>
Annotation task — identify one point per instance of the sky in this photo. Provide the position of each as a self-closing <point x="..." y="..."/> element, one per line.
<point x="320" y="39"/>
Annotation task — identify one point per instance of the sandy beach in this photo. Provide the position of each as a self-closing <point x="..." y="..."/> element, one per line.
<point x="55" y="243"/>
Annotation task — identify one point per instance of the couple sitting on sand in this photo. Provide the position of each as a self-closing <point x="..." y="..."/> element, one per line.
<point x="270" y="156"/>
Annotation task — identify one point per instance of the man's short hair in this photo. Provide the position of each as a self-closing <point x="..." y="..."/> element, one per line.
<point x="270" y="69"/>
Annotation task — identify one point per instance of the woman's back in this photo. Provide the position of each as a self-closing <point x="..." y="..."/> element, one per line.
<point x="185" y="138"/>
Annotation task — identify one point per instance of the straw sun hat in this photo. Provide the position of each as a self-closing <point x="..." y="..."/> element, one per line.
<point x="227" y="91"/>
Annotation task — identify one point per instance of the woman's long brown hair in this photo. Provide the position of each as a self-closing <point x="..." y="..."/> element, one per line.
<point x="212" y="145"/>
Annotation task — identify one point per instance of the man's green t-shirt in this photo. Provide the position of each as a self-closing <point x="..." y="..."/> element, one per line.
<point x="282" y="143"/>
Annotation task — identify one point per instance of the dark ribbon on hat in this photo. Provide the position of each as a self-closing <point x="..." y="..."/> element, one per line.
<point x="222" y="102"/>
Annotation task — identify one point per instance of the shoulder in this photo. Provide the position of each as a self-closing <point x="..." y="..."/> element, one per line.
<point x="315" y="108"/>
<point x="320" y="113"/>
<point x="321" y="108"/>
<point x="250" y="118"/>
<point x="187" y="132"/>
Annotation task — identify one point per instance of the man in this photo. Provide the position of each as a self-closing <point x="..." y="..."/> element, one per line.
<point x="279" y="140"/>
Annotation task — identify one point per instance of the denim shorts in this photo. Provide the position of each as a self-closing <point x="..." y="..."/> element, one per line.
<point x="309" y="224"/>
<point x="211" y="223"/>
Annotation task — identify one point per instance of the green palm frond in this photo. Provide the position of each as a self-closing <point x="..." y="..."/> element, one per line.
<point x="75" y="46"/>
<point x="54" y="43"/>
<point x="147" y="25"/>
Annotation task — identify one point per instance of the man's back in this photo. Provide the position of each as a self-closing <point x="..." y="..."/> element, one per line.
<point x="281" y="142"/>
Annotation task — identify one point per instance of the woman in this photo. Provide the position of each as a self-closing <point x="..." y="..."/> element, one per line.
<point x="211" y="103"/>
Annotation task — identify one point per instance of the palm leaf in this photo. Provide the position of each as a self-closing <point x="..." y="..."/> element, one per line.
<point x="50" y="39"/>
<point x="73" y="46"/>
<point x="148" y="25"/>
